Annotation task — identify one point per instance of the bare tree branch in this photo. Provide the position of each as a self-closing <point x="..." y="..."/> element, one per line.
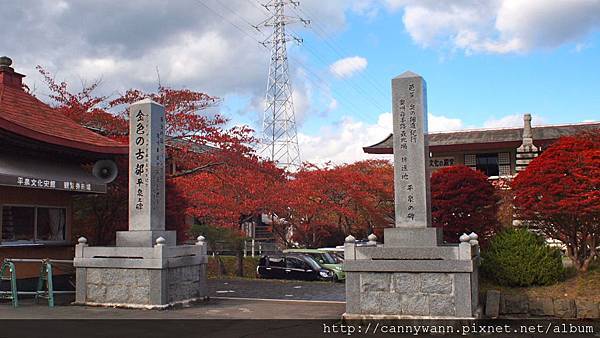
<point x="195" y="170"/>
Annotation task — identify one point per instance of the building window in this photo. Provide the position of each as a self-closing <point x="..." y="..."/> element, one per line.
<point x="491" y="164"/>
<point x="470" y="160"/>
<point x="488" y="164"/>
<point x="33" y="224"/>
<point x="504" y="158"/>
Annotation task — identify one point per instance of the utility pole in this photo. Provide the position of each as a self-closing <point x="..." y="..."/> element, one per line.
<point x="279" y="134"/>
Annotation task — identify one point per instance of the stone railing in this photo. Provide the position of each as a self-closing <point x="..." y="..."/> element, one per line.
<point x="157" y="257"/>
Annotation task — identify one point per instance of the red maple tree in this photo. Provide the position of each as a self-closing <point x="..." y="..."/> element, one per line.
<point x="463" y="201"/>
<point x="219" y="181"/>
<point x="217" y="176"/>
<point x="559" y="193"/>
<point x="84" y="107"/>
<point x="327" y="204"/>
<point x="234" y="192"/>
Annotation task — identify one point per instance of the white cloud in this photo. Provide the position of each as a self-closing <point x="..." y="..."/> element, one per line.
<point x="301" y="96"/>
<point x="367" y="8"/>
<point x="311" y="99"/>
<point x="190" y="45"/>
<point x="442" y="123"/>
<point x="514" y="120"/>
<point x="333" y="104"/>
<point x="343" y="142"/>
<point x="349" y="66"/>
<point x="498" y="26"/>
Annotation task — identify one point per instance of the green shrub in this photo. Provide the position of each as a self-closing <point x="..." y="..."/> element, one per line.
<point x="517" y="257"/>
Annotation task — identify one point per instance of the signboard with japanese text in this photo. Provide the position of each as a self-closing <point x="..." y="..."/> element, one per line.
<point x="441" y="162"/>
<point x="51" y="184"/>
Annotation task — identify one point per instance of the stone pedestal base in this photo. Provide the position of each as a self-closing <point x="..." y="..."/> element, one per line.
<point x="412" y="237"/>
<point x="144" y="277"/>
<point x="144" y="238"/>
<point x="401" y="281"/>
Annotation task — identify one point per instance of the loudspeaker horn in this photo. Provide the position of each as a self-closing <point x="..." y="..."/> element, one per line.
<point x="105" y="170"/>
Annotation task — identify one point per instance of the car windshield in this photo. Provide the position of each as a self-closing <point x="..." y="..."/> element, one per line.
<point x="339" y="257"/>
<point x="323" y="258"/>
<point x="312" y="262"/>
<point x="276" y="261"/>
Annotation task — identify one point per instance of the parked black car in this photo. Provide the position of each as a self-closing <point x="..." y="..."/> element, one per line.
<point x="295" y="266"/>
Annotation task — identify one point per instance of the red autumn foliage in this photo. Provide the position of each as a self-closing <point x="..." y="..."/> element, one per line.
<point x="218" y="176"/>
<point x="559" y="193"/>
<point x="463" y="201"/>
<point x="83" y="107"/>
<point x="221" y="182"/>
<point x="234" y="192"/>
<point x="327" y="204"/>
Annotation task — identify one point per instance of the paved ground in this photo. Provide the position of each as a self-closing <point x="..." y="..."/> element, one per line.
<point x="277" y="289"/>
<point x="243" y="299"/>
<point x="212" y="309"/>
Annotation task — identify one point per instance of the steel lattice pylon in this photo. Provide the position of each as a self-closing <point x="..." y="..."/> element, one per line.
<point x="279" y="135"/>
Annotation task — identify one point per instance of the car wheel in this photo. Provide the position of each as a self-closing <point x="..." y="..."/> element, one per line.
<point x="335" y="278"/>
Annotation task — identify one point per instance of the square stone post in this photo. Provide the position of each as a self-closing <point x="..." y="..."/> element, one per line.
<point x="146" y="177"/>
<point x="411" y="165"/>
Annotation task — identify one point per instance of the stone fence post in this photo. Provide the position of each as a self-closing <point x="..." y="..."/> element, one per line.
<point x="350" y="248"/>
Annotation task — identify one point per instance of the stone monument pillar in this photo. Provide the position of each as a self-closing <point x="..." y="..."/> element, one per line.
<point x="146" y="269"/>
<point x="411" y="275"/>
<point x="146" y="177"/>
<point x="412" y="195"/>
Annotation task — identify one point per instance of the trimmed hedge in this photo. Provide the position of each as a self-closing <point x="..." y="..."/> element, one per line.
<point x="229" y="267"/>
<point x="518" y="257"/>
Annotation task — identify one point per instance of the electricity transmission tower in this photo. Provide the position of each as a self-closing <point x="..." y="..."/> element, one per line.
<point x="279" y="135"/>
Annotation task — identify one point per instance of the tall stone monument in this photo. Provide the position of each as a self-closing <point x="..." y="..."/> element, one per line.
<point x="146" y="269"/>
<point x="146" y="177"/>
<point x="411" y="275"/>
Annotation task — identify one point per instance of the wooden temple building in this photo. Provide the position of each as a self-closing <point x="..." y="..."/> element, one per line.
<point x="45" y="161"/>
<point x="496" y="152"/>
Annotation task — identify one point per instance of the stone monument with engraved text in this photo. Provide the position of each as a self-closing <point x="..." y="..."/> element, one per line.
<point x="413" y="274"/>
<point x="146" y="269"/>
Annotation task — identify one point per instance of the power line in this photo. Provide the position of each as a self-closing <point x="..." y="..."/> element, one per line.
<point x="322" y="34"/>
<point x="356" y="87"/>
<point x="227" y="20"/>
<point x="340" y="97"/>
<point x="320" y="84"/>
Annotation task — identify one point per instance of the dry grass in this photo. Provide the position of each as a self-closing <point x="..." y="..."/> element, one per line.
<point x="583" y="285"/>
<point x="230" y="266"/>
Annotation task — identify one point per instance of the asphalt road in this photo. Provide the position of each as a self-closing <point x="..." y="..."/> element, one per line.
<point x="277" y="289"/>
<point x="229" y="299"/>
<point x="211" y="309"/>
<point x="213" y="318"/>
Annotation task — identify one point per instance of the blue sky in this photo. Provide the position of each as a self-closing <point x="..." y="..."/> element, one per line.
<point x="466" y="88"/>
<point x="560" y="84"/>
<point x="486" y="63"/>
